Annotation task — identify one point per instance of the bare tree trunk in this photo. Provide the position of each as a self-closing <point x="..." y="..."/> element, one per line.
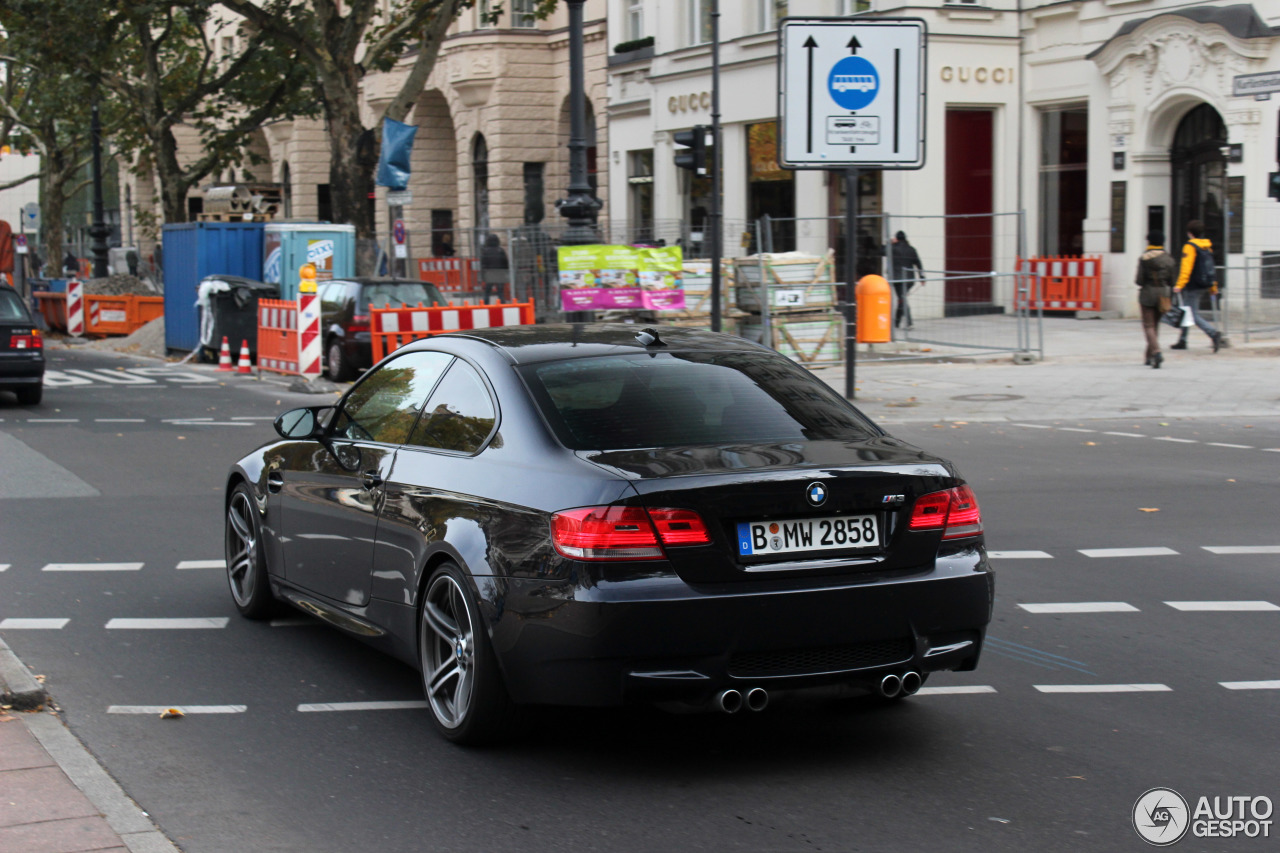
<point x="173" y="186"/>
<point x="353" y="158"/>
<point x="53" y="202"/>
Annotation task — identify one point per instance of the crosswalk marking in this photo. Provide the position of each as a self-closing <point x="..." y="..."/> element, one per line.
<point x="1251" y="685"/>
<point x="1081" y="607"/>
<point x="1103" y="688"/>
<point x="18" y="624"/>
<point x="169" y="624"/>
<point x="363" y="706"/>
<point x="1223" y="606"/>
<point x="202" y="564"/>
<point x="1128" y="552"/>
<point x="955" y="691"/>
<point x="1019" y="555"/>
<point x="1242" y="549"/>
<point x="182" y="709"/>
<point x="92" y="567"/>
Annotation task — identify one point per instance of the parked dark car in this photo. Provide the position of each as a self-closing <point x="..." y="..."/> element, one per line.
<point x="595" y="515"/>
<point x="344" y="317"/>
<point x="21" y="349"/>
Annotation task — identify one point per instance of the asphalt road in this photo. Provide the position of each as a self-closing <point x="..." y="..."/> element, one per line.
<point x="1134" y="528"/>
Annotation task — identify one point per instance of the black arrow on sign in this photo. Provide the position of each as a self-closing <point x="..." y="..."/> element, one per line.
<point x="853" y="46"/>
<point x="809" y="45"/>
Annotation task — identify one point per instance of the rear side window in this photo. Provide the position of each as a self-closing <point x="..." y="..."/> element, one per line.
<point x="674" y="399"/>
<point x="11" y="307"/>
<point x="399" y="293"/>
<point x="460" y="414"/>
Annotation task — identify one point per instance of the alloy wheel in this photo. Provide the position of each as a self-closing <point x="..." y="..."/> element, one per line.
<point x="448" y="651"/>
<point x="242" y="549"/>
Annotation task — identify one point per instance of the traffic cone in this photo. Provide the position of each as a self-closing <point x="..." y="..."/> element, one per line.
<point x="224" y="357"/>
<point x="243" y="366"/>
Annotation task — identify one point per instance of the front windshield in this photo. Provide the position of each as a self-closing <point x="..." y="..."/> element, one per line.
<point x="673" y="399"/>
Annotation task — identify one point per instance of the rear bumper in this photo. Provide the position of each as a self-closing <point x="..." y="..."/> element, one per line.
<point x="661" y="639"/>
<point x="21" y="369"/>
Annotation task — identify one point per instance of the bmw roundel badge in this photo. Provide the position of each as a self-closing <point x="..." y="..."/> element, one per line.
<point x="816" y="493"/>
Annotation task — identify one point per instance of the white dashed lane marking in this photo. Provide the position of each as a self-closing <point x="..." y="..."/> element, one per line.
<point x="4" y="567"/>
<point x="169" y="624"/>
<point x="1222" y="606"/>
<point x="16" y="624"/>
<point x="1081" y="607"/>
<point x="1128" y="552"/>
<point x="1251" y="685"/>
<point x="1103" y="688"/>
<point x="183" y="709"/>
<point x="955" y="691"/>
<point x="1019" y="555"/>
<point x="363" y="706"/>
<point x="1242" y="549"/>
<point x="1152" y="437"/>
<point x="92" y="567"/>
<point x="203" y="564"/>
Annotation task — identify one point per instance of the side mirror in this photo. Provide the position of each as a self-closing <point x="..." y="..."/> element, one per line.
<point x="300" y="424"/>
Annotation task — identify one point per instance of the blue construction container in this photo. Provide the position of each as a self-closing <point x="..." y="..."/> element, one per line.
<point x="289" y="245"/>
<point x="193" y="250"/>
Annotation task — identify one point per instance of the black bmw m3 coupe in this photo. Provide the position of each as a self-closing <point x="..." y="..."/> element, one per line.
<point x="598" y="515"/>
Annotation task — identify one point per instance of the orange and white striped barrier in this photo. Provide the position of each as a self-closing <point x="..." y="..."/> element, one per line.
<point x="243" y="365"/>
<point x="1060" y="283"/>
<point x="75" y="308"/>
<point x="224" y="357"/>
<point x="308" y="324"/>
<point x="278" y="336"/>
<point x="392" y="328"/>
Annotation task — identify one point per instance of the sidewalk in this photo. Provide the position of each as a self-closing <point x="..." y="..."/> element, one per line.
<point x="1092" y="370"/>
<point x="54" y="796"/>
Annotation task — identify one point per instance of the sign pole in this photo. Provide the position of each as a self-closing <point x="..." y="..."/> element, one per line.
<point x="717" y="214"/>
<point x="851" y="278"/>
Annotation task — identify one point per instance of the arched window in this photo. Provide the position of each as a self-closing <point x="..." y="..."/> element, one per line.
<point x="480" y="173"/>
<point x="1200" y="176"/>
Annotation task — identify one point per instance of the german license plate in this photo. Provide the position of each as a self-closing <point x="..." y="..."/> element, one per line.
<point x="792" y="535"/>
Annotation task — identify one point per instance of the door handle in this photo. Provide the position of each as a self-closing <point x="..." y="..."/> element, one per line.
<point x="370" y="479"/>
<point x="275" y="482"/>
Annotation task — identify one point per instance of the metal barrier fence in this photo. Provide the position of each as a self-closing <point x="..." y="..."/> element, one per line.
<point x="967" y="294"/>
<point x="1249" y="304"/>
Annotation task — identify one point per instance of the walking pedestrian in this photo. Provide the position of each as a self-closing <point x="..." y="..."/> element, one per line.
<point x="495" y="269"/>
<point x="905" y="270"/>
<point x="1155" y="275"/>
<point x="1196" y="275"/>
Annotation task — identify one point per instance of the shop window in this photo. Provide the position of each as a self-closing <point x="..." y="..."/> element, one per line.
<point x="771" y="189"/>
<point x="640" y="191"/>
<point x="1064" y="178"/>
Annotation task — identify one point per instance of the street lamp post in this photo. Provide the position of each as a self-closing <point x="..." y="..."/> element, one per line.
<point x="580" y="206"/>
<point x="98" y="231"/>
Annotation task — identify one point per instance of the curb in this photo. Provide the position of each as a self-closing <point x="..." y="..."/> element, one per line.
<point x="18" y="687"/>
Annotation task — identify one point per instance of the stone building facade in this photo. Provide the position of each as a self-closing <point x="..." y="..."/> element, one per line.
<point x="493" y="126"/>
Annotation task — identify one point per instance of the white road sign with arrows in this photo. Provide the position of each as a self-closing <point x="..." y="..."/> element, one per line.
<point x="851" y="93"/>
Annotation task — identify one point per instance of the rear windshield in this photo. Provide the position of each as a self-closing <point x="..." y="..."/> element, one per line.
<point x="672" y="399"/>
<point x="11" y="307"/>
<point x="396" y="293"/>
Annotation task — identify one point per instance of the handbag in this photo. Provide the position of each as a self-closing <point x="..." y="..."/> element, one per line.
<point x="1172" y="316"/>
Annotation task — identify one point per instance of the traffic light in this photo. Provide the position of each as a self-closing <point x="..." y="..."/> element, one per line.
<point x="694" y="156"/>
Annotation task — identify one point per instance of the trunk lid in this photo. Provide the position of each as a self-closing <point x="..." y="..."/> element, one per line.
<point x="745" y="489"/>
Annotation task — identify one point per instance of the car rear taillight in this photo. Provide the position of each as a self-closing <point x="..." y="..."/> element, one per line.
<point x="359" y="323"/>
<point x="954" y="511"/>
<point x="624" y="532"/>
<point x="680" y="527"/>
<point x="31" y="341"/>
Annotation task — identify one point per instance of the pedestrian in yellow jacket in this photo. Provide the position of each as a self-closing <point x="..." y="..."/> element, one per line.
<point x="1194" y="279"/>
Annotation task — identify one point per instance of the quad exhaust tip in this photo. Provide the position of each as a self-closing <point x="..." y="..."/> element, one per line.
<point x="757" y="699"/>
<point x="728" y="701"/>
<point x="890" y="686"/>
<point x="911" y="682"/>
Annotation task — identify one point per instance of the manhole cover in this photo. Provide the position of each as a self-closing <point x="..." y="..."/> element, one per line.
<point x="987" y="398"/>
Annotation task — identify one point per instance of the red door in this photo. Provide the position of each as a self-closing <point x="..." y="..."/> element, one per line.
<point x="969" y="191"/>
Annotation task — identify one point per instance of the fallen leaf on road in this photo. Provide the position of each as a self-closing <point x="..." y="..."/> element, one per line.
<point x="1091" y="444"/>
<point x="171" y="713"/>
<point x="1148" y="509"/>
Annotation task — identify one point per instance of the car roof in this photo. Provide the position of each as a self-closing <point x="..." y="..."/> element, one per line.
<point x="559" y="341"/>
<point x="369" y="281"/>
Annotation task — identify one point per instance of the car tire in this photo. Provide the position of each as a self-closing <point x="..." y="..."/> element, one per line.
<point x="31" y="396"/>
<point x="246" y="557"/>
<point x="337" y="368"/>
<point x="460" y="676"/>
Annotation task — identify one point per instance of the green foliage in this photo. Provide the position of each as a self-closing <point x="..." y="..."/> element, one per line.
<point x="634" y="44"/>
